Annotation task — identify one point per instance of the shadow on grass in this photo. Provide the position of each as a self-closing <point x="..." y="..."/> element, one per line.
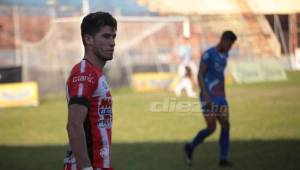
<point x="258" y="155"/>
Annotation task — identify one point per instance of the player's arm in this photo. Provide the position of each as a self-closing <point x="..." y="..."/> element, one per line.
<point x="80" y="88"/>
<point x="76" y="115"/>
<point x="200" y="76"/>
<point x="205" y="60"/>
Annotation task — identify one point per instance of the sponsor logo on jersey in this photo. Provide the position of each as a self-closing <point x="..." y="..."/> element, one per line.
<point x="105" y="113"/>
<point x="105" y="122"/>
<point x="105" y="103"/>
<point x="83" y="78"/>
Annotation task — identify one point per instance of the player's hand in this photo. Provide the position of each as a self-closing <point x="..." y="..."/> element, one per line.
<point x="207" y="98"/>
<point x="208" y="101"/>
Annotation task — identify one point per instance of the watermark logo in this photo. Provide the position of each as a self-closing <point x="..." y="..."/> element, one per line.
<point x="172" y="105"/>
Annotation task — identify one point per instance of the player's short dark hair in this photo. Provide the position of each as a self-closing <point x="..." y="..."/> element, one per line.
<point x="93" y="22"/>
<point x="229" y="35"/>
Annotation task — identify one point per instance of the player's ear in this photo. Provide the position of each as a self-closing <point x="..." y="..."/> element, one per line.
<point x="88" y="39"/>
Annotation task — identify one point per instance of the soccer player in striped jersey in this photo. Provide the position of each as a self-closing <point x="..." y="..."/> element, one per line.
<point x="213" y="98"/>
<point x="89" y="98"/>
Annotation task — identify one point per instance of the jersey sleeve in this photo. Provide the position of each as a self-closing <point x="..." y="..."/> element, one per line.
<point x="81" y="86"/>
<point x="205" y="59"/>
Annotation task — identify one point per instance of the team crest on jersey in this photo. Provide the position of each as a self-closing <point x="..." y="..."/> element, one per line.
<point x="104" y="152"/>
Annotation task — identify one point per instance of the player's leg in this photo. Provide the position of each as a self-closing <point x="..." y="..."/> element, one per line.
<point x="210" y="119"/>
<point x="223" y="119"/>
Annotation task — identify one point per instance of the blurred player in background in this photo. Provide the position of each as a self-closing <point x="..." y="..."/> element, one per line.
<point x="213" y="98"/>
<point x="89" y="99"/>
<point x="186" y="69"/>
<point x="187" y="82"/>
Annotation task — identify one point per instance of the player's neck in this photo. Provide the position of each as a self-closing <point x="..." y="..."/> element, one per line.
<point x="94" y="60"/>
<point x="220" y="49"/>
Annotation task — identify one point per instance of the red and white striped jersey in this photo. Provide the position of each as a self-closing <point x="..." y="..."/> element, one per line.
<point x="87" y="85"/>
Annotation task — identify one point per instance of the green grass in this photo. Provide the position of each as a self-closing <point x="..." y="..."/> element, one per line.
<point x="265" y="133"/>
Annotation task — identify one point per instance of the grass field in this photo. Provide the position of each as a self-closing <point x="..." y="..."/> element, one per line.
<point x="265" y="131"/>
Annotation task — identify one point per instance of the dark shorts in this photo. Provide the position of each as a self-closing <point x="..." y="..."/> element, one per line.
<point x="218" y="105"/>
